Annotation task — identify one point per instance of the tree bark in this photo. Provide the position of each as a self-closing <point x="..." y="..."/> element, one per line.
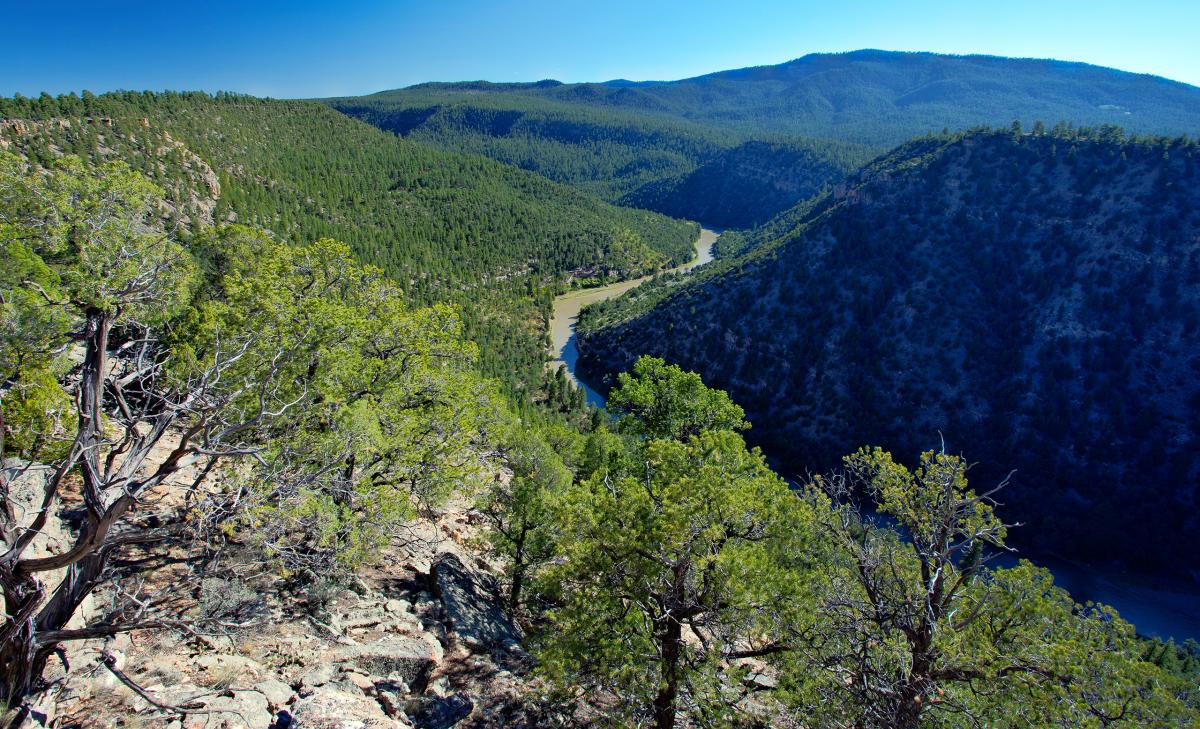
<point x="518" y="579"/>
<point x="671" y="638"/>
<point x="22" y="654"/>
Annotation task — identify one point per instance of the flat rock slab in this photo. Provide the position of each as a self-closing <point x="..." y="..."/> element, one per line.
<point x="408" y="657"/>
<point x="332" y="709"/>
<point x="475" y="615"/>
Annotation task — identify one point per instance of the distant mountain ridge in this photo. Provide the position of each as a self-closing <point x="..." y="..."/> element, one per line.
<point x="1033" y="298"/>
<point x="882" y="98"/>
<point x="666" y="145"/>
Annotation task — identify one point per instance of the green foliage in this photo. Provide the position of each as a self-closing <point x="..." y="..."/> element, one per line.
<point x="380" y="410"/>
<point x="657" y="400"/>
<point x="933" y="505"/>
<point x="634" y="157"/>
<point x="39" y="417"/>
<point x="916" y="630"/>
<point x="606" y="152"/>
<point x="79" y="244"/>
<point x="446" y="227"/>
<point x="28" y="327"/>
<point x="517" y="509"/>
<point x="751" y="183"/>
<point x="878" y="98"/>
<point x="698" y="536"/>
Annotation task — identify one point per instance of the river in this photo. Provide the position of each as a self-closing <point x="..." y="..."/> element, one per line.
<point x="567" y="307"/>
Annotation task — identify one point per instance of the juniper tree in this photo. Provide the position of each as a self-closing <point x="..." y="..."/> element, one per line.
<point x="127" y="366"/>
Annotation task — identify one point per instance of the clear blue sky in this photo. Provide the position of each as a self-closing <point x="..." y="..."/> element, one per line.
<point x="305" y="48"/>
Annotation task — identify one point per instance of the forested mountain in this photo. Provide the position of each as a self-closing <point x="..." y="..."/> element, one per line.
<point x="733" y="148"/>
<point x="883" y="98"/>
<point x="633" y="157"/>
<point x="445" y="226"/>
<point x="609" y="152"/>
<point x="1033" y="298"/>
<point x="252" y="478"/>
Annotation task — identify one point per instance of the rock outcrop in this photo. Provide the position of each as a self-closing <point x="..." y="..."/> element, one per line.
<point x="417" y="642"/>
<point x="472" y="610"/>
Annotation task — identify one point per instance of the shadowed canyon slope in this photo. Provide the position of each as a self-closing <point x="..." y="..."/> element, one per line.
<point x="1032" y="298"/>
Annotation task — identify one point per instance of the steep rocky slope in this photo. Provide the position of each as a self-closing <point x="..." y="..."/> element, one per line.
<point x="417" y="640"/>
<point x="1035" y="299"/>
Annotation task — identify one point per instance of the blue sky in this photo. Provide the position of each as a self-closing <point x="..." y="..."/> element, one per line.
<point x="304" y="48"/>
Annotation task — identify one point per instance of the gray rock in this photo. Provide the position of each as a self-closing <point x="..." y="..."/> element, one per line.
<point x="329" y="708"/>
<point x="317" y="677"/>
<point x="394" y="606"/>
<point x="760" y="680"/>
<point x="475" y="616"/>
<point x="409" y="657"/>
<point x="392" y="703"/>
<point x="442" y="712"/>
<point x="360" y="681"/>
<point x="248" y="706"/>
<point x="278" y="693"/>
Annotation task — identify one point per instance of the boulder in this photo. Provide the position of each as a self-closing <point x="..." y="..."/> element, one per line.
<point x="439" y="712"/>
<point x="278" y="693"/>
<point x="475" y="615"/>
<point x="329" y="708"/>
<point x="411" y="657"/>
<point x="316" y="678"/>
<point x="240" y="709"/>
<point x="395" y="606"/>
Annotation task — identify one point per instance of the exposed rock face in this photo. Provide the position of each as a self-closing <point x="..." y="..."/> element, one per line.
<point x="397" y="651"/>
<point x="191" y="185"/>
<point x="443" y="712"/>
<point x="475" y="615"/>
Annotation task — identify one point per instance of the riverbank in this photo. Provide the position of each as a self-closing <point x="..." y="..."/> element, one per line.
<point x="567" y="307"/>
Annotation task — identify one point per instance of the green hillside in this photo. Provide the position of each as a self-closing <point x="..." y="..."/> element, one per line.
<point x="446" y="226"/>
<point x="1032" y="298"/>
<point x="734" y="148"/>
<point x="633" y="157"/>
<point x="749" y="184"/>
<point x="608" y="152"/>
